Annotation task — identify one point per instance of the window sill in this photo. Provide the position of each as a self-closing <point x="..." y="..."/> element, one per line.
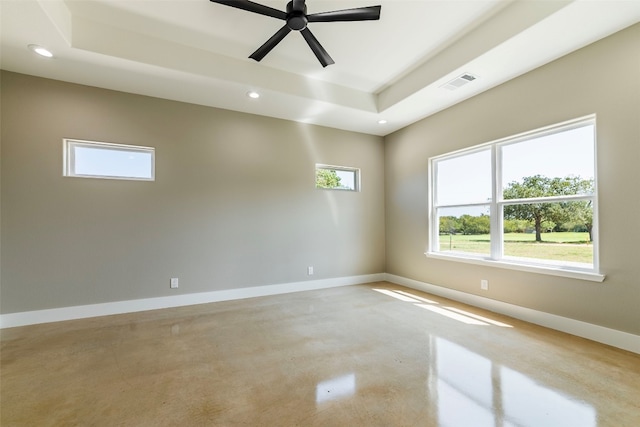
<point x="552" y="270"/>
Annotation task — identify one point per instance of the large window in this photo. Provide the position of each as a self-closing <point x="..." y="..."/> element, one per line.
<point x="91" y="159"/>
<point x="527" y="201"/>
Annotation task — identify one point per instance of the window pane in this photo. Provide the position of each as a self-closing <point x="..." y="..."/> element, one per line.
<point x="557" y="232"/>
<point x="104" y="160"/>
<point x="464" y="179"/>
<point x="464" y="229"/>
<point x="112" y="163"/>
<point x="558" y="164"/>
<point x="336" y="178"/>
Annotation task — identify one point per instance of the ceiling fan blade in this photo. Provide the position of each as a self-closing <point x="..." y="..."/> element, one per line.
<point x="370" y="13"/>
<point x="270" y="44"/>
<point x="253" y="7"/>
<point x="317" y="48"/>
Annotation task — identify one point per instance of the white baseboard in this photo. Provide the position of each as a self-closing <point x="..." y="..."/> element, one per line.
<point x="94" y="310"/>
<point x="612" y="337"/>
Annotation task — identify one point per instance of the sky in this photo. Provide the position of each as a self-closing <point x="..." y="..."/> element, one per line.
<point x="467" y="179"/>
<point x="99" y="161"/>
<point x="347" y="178"/>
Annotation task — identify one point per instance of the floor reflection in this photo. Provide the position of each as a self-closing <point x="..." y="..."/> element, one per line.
<point x="336" y="388"/>
<point x="527" y="402"/>
<point x="474" y="391"/>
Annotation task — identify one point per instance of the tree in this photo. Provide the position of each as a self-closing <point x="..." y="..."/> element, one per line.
<point x="326" y="178"/>
<point x="449" y="225"/>
<point x="475" y="224"/>
<point x="516" y="226"/>
<point x="540" y="213"/>
<point x="582" y="214"/>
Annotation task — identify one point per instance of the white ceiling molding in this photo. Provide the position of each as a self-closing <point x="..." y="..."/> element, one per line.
<point x="196" y="51"/>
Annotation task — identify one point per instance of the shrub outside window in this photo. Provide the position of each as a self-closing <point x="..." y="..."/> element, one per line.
<point x="527" y="202"/>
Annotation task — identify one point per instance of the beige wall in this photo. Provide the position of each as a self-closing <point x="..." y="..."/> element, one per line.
<point x="602" y="79"/>
<point x="233" y="204"/>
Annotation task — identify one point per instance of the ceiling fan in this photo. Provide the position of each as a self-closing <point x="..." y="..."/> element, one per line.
<point x="297" y="19"/>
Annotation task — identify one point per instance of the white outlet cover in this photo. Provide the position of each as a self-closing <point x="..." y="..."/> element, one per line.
<point x="174" y="282"/>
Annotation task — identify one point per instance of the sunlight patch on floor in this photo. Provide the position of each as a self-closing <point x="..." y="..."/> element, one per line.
<point x="450" y="312"/>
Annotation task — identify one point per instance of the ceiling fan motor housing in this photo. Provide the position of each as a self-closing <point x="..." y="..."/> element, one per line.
<point x="296" y="19"/>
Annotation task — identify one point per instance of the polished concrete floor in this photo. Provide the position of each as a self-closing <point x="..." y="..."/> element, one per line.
<point x="368" y="355"/>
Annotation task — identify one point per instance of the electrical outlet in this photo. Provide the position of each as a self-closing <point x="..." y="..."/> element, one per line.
<point x="310" y="270"/>
<point x="174" y="283"/>
<point x="484" y="285"/>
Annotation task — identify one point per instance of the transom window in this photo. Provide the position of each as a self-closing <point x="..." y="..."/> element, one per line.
<point x="337" y="178"/>
<point x="91" y="159"/>
<point x="527" y="201"/>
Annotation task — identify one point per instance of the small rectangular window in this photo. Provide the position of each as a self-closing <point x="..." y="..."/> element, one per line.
<point x="90" y="159"/>
<point x="337" y="178"/>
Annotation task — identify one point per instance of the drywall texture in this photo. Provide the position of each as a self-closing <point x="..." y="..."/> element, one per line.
<point x="234" y="203"/>
<point x="591" y="80"/>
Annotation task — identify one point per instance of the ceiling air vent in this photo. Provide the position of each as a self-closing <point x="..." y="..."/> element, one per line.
<point x="459" y="81"/>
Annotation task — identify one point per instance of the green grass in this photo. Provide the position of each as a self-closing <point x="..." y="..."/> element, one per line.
<point x="569" y="247"/>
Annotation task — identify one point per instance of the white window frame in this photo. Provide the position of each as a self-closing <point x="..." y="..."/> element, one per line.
<point x="497" y="203"/>
<point x="356" y="178"/>
<point x="69" y="161"/>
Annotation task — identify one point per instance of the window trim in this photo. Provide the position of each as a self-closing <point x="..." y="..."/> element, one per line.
<point x="497" y="203"/>
<point x="69" y="158"/>
<point x="356" y="180"/>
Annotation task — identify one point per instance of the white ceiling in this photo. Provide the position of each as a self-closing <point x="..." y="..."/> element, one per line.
<point x="197" y="51"/>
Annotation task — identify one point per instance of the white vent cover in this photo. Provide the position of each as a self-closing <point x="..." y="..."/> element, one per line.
<point x="459" y="81"/>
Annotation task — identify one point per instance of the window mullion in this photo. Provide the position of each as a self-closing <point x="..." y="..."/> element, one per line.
<point x="496" y="209"/>
<point x="434" y="232"/>
<point x="547" y="199"/>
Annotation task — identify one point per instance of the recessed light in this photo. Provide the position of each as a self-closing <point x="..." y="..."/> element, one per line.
<point x="41" y="50"/>
<point x="253" y="94"/>
<point x="382" y="122"/>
